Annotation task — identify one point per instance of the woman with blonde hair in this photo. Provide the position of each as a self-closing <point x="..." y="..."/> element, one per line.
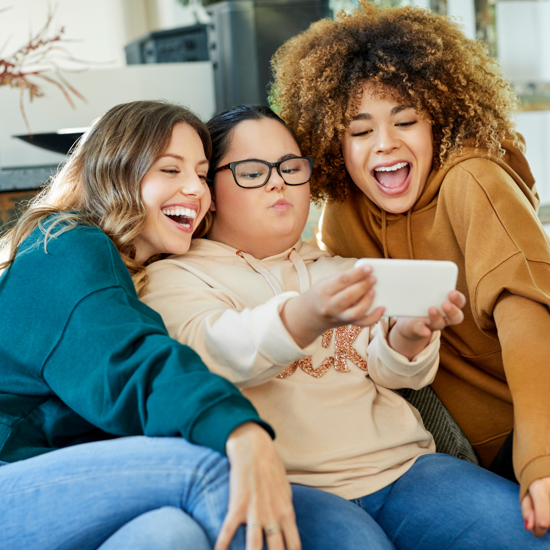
<point x="417" y="157"/>
<point x="85" y="365"/>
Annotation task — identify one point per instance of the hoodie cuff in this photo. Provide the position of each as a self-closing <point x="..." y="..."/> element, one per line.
<point x="214" y="426"/>
<point x="536" y="469"/>
<point x="396" y="362"/>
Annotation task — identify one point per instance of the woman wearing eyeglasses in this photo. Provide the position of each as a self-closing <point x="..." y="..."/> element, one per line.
<point x="287" y="324"/>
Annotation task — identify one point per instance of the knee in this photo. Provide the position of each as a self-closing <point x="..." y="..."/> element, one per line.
<point x="166" y="528"/>
<point x="178" y="453"/>
<point x="173" y="528"/>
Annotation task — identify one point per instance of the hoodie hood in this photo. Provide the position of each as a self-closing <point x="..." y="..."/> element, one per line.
<point x="205" y="248"/>
<point x="272" y="268"/>
<point x="514" y="163"/>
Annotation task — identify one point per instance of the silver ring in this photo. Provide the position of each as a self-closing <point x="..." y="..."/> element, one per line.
<point x="252" y="524"/>
<point x="271" y="530"/>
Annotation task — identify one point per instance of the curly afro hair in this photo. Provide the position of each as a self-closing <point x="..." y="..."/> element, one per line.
<point x="412" y="54"/>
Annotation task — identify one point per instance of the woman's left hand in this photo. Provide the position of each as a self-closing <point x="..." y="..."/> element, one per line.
<point x="259" y="493"/>
<point x="535" y="507"/>
<point x="410" y="335"/>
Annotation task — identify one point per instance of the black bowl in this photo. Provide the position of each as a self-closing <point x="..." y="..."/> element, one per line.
<point x="52" y="141"/>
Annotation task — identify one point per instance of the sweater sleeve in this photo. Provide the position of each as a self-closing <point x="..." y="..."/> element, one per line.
<point x="246" y="346"/>
<point x="392" y="370"/>
<point x="116" y="367"/>
<point x="507" y="268"/>
<point x="526" y="356"/>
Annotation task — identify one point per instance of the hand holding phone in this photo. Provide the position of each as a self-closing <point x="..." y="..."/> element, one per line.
<point x="409" y="288"/>
<point x="410" y="335"/>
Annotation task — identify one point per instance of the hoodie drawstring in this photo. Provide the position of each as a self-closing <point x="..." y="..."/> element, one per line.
<point x="295" y="259"/>
<point x="257" y="266"/>
<point x="301" y="269"/>
<point x="385" y="234"/>
<point x="384" y="229"/>
<point x="409" y="235"/>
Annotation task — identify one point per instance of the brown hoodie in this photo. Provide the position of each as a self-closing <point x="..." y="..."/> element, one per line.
<point x="495" y="366"/>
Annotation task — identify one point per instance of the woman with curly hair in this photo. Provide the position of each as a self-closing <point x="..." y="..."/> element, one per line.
<point x="417" y="157"/>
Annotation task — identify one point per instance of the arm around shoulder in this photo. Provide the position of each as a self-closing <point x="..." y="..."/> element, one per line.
<point x="115" y="366"/>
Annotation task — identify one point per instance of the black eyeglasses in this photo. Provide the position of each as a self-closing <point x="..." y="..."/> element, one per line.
<point x="252" y="173"/>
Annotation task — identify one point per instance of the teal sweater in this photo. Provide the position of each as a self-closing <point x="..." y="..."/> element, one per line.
<point x="82" y="359"/>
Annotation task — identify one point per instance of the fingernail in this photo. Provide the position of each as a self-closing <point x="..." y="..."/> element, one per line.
<point x="527" y="525"/>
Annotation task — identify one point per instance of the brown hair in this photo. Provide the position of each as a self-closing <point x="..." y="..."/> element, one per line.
<point x="410" y="53"/>
<point x="100" y="184"/>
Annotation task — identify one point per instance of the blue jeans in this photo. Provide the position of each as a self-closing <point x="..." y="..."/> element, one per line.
<point x="443" y="502"/>
<point x="143" y="493"/>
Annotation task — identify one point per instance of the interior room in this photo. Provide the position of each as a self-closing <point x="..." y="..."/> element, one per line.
<point x="112" y="51"/>
<point x="274" y="274"/>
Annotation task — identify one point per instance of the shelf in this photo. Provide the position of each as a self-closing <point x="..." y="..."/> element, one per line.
<point x="534" y="96"/>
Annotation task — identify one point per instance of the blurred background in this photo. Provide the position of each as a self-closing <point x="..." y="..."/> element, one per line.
<point x="77" y="58"/>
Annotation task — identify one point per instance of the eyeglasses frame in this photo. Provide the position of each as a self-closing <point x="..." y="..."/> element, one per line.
<point x="277" y="165"/>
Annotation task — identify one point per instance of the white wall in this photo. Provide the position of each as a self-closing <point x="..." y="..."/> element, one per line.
<point x="523" y="39"/>
<point x="464" y="11"/>
<point x="100" y="29"/>
<point x="169" y="81"/>
<point x="524" y="54"/>
<point x="172" y="13"/>
<point x="96" y="28"/>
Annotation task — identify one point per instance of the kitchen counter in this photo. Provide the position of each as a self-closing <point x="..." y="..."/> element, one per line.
<point x="25" y="178"/>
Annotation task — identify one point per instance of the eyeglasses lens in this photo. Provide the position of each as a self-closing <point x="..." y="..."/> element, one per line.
<point x="295" y="171"/>
<point x="251" y="174"/>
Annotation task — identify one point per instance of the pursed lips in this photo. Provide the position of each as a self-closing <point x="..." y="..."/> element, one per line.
<point x="282" y="205"/>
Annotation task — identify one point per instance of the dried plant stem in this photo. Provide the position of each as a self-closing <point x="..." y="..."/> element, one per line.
<point x="39" y="55"/>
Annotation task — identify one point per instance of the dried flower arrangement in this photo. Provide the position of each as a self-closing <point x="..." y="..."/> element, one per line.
<point x="42" y="53"/>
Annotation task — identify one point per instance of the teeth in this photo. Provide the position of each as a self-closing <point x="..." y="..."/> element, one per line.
<point x="397" y="166"/>
<point x="179" y="211"/>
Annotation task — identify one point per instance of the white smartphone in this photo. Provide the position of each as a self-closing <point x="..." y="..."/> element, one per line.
<point x="408" y="288"/>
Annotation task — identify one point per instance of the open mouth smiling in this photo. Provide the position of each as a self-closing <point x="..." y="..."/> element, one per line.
<point x="182" y="216"/>
<point x="393" y="179"/>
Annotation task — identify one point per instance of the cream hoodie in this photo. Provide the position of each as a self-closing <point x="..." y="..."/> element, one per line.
<point x="339" y="425"/>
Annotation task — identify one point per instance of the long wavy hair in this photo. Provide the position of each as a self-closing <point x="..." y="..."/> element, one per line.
<point x="100" y="184"/>
<point x="411" y="53"/>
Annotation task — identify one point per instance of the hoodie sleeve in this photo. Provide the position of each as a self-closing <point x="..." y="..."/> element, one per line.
<point x="507" y="268"/>
<point x="392" y="370"/>
<point x="246" y="346"/>
<point x="117" y="368"/>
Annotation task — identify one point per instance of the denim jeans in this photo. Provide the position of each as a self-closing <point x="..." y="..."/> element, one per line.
<point x="142" y="493"/>
<point x="81" y="496"/>
<point x="443" y="502"/>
